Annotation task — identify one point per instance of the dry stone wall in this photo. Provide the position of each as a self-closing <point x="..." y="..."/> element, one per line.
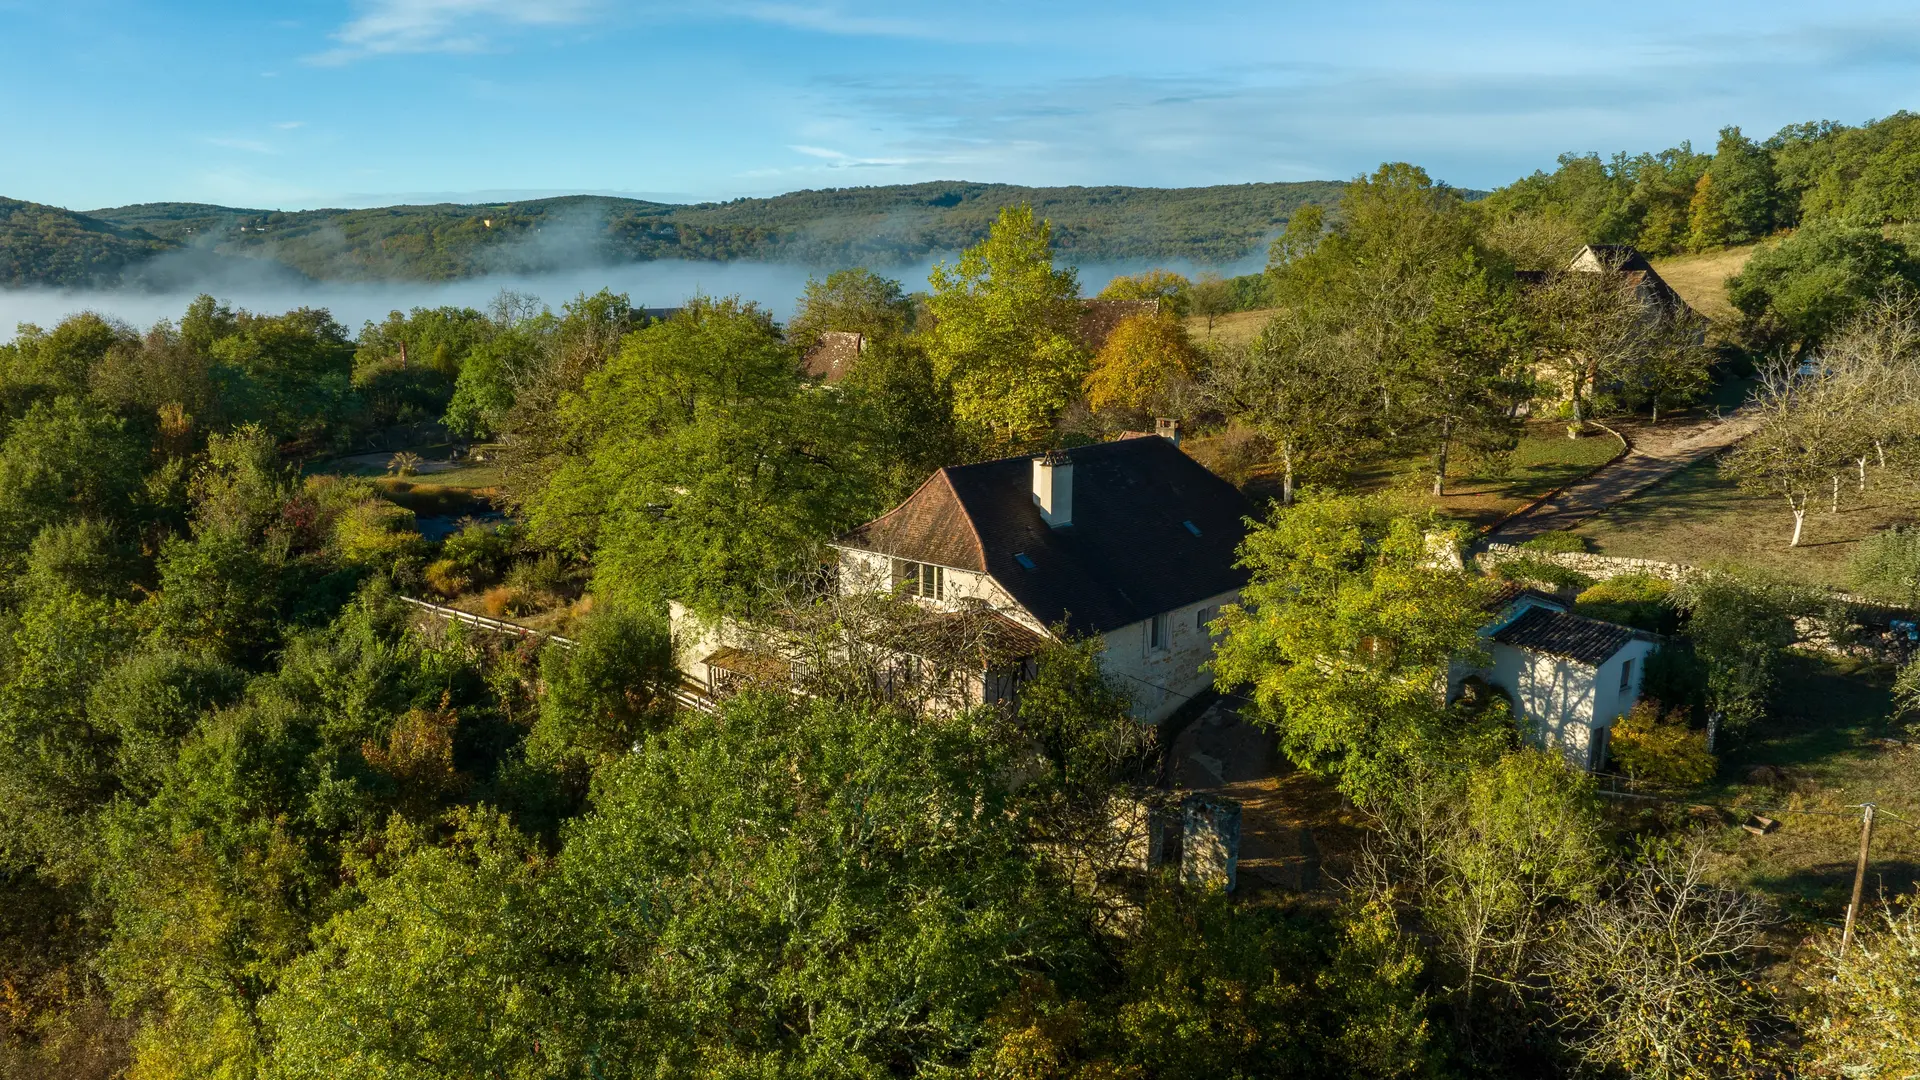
<point x="1598" y="567"/>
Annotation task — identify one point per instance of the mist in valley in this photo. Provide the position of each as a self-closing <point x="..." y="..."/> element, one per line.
<point x="163" y="289"/>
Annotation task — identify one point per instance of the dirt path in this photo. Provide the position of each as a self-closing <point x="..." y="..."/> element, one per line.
<point x="1656" y="453"/>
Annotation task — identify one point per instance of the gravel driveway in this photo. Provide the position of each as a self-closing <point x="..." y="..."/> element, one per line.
<point x="1655" y="453"/>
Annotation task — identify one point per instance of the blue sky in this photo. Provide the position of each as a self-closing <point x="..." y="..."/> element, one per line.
<point x="302" y="104"/>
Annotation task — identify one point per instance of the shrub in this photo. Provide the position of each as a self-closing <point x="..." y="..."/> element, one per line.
<point x="503" y="601"/>
<point x="1637" y="600"/>
<point x="1234" y="454"/>
<point x="376" y="533"/>
<point x="1558" y="543"/>
<point x="1676" y="679"/>
<point x="445" y="577"/>
<point x="1532" y="571"/>
<point x="479" y="551"/>
<point x="1886" y="566"/>
<point x="545" y="574"/>
<point x="1658" y="748"/>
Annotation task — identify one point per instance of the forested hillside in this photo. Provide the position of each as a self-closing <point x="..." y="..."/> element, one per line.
<point x="1680" y="199"/>
<point x="45" y="245"/>
<point x="836" y="227"/>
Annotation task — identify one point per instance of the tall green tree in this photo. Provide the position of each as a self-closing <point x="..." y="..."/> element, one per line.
<point x="1460" y="384"/>
<point x="1736" y="196"/>
<point x="1005" y="332"/>
<point x="703" y="472"/>
<point x="1345" y="636"/>
<point x="855" y="300"/>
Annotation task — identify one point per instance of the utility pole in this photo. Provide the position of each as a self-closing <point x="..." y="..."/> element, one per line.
<point x="1859" y="874"/>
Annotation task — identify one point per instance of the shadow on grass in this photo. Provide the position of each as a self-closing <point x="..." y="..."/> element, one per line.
<point x="1820" y="889"/>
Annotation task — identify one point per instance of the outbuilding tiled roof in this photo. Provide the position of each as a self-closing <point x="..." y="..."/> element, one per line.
<point x="1574" y="637"/>
<point x="1152" y="531"/>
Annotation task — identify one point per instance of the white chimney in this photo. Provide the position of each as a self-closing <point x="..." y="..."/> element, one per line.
<point x="1167" y="429"/>
<point x="1053" y="488"/>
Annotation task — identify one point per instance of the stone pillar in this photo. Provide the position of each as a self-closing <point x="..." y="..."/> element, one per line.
<point x="1210" y="841"/>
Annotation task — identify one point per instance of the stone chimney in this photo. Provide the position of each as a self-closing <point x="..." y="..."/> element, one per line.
<point x="1053" y="488"/>
<point x="1167" y="429"/>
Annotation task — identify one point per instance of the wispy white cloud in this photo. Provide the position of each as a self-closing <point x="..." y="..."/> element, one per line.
<point x="289" y="125"/>
<point x="387" y="27"/>
<point x="832" y="19"/>
<point x="251" y="146"/>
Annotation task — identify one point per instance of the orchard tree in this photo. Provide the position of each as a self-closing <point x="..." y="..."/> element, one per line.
<point x="1801" y="445"/>
<point x="1590" y="328"/>
<point x="1005" y="334"/>
<point x="1210" y="298"/>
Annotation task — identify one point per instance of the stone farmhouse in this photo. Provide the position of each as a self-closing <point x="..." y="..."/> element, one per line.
<point x="1659" y="297"/>
<point x="1131" y="541"/>
<point x="1567" y="677"/>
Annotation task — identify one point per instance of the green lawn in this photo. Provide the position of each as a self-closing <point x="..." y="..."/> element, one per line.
<point x="1484" y="491"/>
<point x="1700" y="517"/>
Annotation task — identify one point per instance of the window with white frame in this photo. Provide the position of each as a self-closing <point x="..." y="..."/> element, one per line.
<point x="1206" y="614"/>
<point x="1626" y="674"/>
<point x="1159" y="637"/>
<point x="920" y="579"/>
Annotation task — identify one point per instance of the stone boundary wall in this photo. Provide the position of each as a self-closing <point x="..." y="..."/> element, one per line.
<point x="1602" y="567"/>
<point x="1598" y="567"/>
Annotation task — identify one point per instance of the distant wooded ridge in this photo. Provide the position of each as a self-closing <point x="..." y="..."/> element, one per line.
<point x="49" y="246"/>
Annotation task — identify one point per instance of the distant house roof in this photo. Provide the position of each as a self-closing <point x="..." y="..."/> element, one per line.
<point x="1574" y="637"/>
<point x="1594" y="258"/>
<point x="832" y="356"/>
<point x="1099" y="318"/>
<point x="1152" y="531"/>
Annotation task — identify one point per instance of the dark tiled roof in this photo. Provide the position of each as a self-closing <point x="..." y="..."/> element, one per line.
<point x="1098" y="318"/>
<point x="1557" y="633"/>
<point x="832" y="356"/>
<point x="1623" y="257"/>
<point x="1128" y="554"/>
<point x="1508" y="593"/>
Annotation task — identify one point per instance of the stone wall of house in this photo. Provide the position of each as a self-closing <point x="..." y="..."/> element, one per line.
<point x="1198" y="835"/>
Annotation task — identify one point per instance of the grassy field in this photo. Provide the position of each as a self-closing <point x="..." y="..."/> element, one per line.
<point x="1699" y="516"/>
<point x="1485" y="491"/>
<point x="1701" y="280"/>
<point x="1241" y="326"/>
<point x="1829" y="745"/>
